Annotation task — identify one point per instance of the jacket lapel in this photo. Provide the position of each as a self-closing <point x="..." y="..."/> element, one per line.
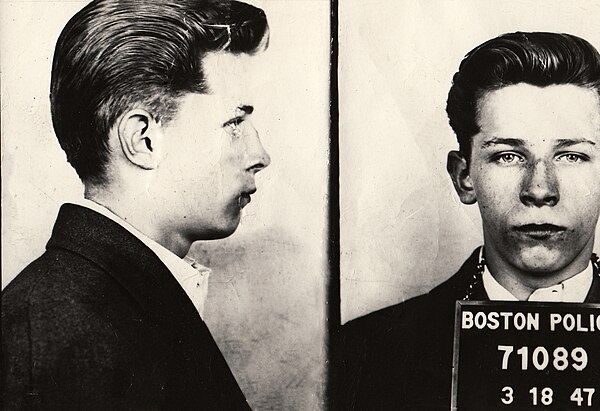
<point x="139" y="271"/>
<point x="457" y="287"/>
<point x="127" y="260"/>
<point x="594" y="293"/>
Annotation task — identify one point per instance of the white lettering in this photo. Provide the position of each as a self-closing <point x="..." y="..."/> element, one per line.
<point x="467" y="320"/>
<point x="578" y="322"/>
<point x="493" y="323"/>
<point x="533" y="321"/>
<point x="569" y="322"/>
<point x="480" y="320"/>
<point x="500" y="320"/>
<point x="506" y="317"/>
<point x="519" y="321"/>
<point x="554" y="319"/>
<point x="580" y="327"/>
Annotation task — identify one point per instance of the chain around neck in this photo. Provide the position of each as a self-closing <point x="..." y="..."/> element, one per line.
<point x="477" y="276"/>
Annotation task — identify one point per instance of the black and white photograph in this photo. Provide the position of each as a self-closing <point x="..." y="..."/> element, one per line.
<point x="469" y="172"/>
<point x="300" y="204"/>
<point x="135" y="133"/>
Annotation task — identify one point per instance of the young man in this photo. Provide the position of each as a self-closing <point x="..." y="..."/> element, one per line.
<point x="526" y="110"/>
<point x="150" y="105"/>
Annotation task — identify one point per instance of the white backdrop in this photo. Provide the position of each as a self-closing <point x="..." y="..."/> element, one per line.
<point x="266" y="303"/>
<point x="403" y="228"/>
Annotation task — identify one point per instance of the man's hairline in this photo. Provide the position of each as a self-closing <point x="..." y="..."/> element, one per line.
<point x="176" y="99"/>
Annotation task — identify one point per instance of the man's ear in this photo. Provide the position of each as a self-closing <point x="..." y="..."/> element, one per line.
<point x="140" y="138"/>
<point x="458" y="168"/>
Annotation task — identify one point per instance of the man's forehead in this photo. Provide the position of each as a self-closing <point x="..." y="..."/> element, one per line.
<point x="523" y="110"/>
<point x="234" y="78"/>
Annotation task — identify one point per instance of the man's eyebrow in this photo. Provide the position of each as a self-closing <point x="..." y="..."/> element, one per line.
<point x="246" y="109"/>
<point x="505" y="141"/>
<point x="567" y="142"/>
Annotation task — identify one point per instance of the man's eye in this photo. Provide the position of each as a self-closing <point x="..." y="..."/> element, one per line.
<point x="509" y="158"/>
<point x="571" y="158"/>
<point x="234" y="130"/>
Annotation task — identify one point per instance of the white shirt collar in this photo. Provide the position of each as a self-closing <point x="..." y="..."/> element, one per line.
<point x="190" y="275"/>
<point x="572" y="290"/>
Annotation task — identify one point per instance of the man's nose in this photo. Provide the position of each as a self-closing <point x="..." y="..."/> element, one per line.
<point x="540" y="186"/>
<point x="257" y="156"/>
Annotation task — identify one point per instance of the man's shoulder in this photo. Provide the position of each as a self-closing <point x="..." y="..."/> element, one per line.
<point x="402" y="354"/>
<point x="66" y="322"/>
<point x="57" y="275"/>
<point x="396" y="322"/>
<point x="62" y="296"/>
<point x="66" y="293"/>
<point x="88" y="259"/>
<point x="385" y="320"/>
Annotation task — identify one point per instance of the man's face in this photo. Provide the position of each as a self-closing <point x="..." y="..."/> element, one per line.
<point x="535" y="171"/>
<point x="212" y="153"/>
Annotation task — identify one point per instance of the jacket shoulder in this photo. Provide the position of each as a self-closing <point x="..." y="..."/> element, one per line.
<point x="70" y="331"/>
<point x="61" y="301"/>
<point x="426" y="304"/>
<point x="58" y="277"/>
<point x="386" y="319"/>
<point x="394" y="328"/>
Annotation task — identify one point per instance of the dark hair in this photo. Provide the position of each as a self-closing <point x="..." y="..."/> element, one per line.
<point x="540" y="59"/>
<point x="115" y="55"/>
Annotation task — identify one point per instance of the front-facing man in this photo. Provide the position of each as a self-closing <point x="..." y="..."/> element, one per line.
<point x="149" y="103"/>
<point x="526" y="110"/>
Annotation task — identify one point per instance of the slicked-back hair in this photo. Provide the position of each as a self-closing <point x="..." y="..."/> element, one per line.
<point x="538" y="58"/>
<point x="117" y="55"/>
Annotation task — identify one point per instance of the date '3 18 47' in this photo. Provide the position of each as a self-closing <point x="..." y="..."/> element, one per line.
<point x="540" y="359"/>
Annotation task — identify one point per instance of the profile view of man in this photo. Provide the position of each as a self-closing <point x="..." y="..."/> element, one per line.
<point x="148" y="102"/>
<point x="526" y="110"/>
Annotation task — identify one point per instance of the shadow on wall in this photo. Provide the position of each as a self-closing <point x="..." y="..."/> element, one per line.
<point x="265" y="309"/>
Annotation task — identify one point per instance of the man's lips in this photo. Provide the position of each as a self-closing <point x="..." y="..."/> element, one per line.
<point x="245" y="198"/>
<point x="539" y="231"/>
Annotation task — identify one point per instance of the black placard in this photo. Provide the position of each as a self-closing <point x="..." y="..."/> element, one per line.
<point x="524" y="356"/>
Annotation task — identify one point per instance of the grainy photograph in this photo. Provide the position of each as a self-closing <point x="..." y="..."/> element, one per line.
<point x="168" y="239"/>
<point x="164" y="176"/>
<point x="469" y="173"/>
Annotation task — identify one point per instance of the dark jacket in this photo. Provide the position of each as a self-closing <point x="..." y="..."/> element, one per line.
<point x="98" y="322"/>
<point x="400" y="357"/>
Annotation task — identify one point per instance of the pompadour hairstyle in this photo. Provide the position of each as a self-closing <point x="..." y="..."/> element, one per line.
<point x="538" y="58"/>
<point x="116" y="55"/>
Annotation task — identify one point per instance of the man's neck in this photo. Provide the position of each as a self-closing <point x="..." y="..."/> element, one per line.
<point x="138" y="212"/>
<point x="522" y="283"/>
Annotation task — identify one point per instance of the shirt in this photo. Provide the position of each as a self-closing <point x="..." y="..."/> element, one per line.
<point x="191" y="276"/>
<point x="572" y="290"/>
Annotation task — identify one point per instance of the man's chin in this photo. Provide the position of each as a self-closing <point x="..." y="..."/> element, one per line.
<point x="225" y="231"/>
<point x="541" y="260"/>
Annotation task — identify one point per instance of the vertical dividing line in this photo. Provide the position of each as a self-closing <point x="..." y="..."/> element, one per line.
<point x="333" y="250"/>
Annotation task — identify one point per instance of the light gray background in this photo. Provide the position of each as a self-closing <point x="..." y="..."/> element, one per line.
<point x="266" y="305"/>
<point x="403" y="228"/>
